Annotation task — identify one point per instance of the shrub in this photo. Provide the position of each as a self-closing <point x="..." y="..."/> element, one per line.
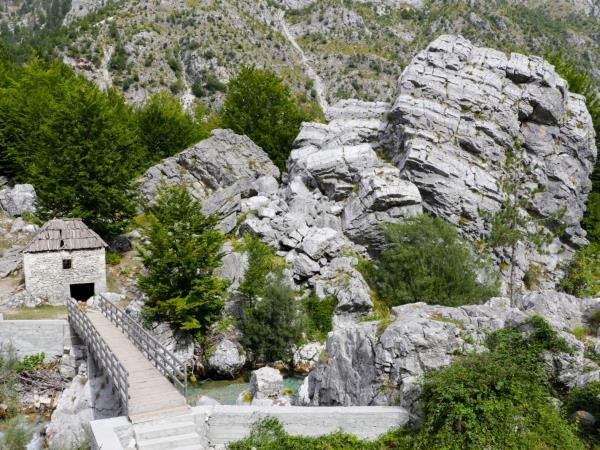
<point x="261" y="262"/>
<point x="16" y="435"/>
<point x="320" y="315"/>
<point x="271" y="323"/>
<point x="113" y="259"/>
<point x="427" y="261"/>
<point x="586" y="399"/>
<point x="31" y="362"/>
<point x="260" y="106"/>
<point x="181" y="258"/>
<point x="582" y="277"/>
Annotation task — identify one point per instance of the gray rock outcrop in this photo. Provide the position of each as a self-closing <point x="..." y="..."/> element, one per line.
<point x="18" y="200"/>
<point x="364" y="366"/>
<point x="460" y="108"/>
<point x="226" y="359"/>
<point x="213" y="164"/>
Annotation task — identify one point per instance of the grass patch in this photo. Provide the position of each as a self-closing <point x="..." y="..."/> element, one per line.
<point x="439" y="317"/>
<point x="39" y="313"/>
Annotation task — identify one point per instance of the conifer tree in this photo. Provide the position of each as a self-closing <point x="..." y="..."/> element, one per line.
<point x="183" y="252"/>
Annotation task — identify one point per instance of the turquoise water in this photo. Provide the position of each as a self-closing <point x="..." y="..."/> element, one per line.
<point x="226" y="392"/>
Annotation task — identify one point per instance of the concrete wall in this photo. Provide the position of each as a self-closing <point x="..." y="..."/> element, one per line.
<point x="227" y="423"/>
<point x="46" y="278"/>
<point x="220" y="425"/>
<point x="30" y="337"/>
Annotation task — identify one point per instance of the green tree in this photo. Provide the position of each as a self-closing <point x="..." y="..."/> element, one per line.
<point x="271" y="322"/>
<point x="259" y="105"/>
<point x="582" y="277"/>
<point x="77" y="145"/>
<point x="165" y="128"/>
<point x="183" y="252"/>
<point x="427" y="261"/>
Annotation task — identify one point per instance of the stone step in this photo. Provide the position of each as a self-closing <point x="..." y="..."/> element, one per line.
<point x="162" y="413"/>
<point x="170" y="442"/>
<point x="154" y="431"/>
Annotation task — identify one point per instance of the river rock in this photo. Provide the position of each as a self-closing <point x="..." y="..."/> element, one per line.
<point x="266" y="382"/>
<point x="306" y="357"/>
<point x="226" y="359"/>
<point x="205" y="400"/>
<point x="181" y="346"/>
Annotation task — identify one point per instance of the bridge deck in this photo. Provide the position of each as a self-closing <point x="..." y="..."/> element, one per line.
<point x="150" y="393"/>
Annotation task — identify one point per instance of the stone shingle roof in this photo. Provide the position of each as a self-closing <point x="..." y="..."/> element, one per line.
<point x="64" y="234"/>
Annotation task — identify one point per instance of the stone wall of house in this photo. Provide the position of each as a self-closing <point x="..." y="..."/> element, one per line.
<point x="46" y="278"/>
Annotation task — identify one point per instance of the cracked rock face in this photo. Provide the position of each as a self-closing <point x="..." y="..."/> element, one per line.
<point x="460" y="108"/>
<point x="366" y="366"/>
<point x="216" y="163"/>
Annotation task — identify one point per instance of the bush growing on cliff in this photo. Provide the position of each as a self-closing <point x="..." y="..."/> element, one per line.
<point x="271" y="323"/>
<point x="427" y="261"/>
<point x="259" y="105"/>
<point x="183" y="253"/>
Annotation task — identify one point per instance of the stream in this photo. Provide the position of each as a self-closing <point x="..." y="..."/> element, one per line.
<point x="226" y="392"/>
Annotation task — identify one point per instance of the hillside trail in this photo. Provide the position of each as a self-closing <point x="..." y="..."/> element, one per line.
<point x="312" y="74"/>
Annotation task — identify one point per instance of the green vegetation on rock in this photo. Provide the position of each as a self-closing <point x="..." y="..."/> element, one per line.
<point x="166" y="129"/>
<point x="427" y="261"/>
<point x="183" y="252"/>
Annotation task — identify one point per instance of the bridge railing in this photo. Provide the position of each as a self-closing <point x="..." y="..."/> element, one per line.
<point x="164" y="360"/>
<point x="111" y="366"/>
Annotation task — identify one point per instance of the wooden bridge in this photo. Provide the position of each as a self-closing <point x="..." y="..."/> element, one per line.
<point x="135" y="362"/>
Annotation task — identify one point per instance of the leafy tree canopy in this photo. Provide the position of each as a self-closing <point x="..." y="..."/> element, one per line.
<point x="165" y="128"/>
<point x="183" y="252"/>
<point x="77" y="145"/>
<point x="259" y="105"/>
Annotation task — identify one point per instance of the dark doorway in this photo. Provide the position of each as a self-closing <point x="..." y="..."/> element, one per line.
<point x="83" y="291"/>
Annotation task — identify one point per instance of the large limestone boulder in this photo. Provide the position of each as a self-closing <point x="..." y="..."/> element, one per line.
<point x="19" y="199"/>
<point x="215" y="163"/>
<point x="460" y="108"/>
<point x="266" y="382"/>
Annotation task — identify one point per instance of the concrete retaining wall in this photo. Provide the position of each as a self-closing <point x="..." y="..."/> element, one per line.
<point x="230" y="423"/>
<point x="34" y="336"/>
<point x="218" y="425"/>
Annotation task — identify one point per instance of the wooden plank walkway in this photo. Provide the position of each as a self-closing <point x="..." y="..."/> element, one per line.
<point x="151" y="395"/>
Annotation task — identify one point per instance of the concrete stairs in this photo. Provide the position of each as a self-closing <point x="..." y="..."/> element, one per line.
<point x="177" y="433"/>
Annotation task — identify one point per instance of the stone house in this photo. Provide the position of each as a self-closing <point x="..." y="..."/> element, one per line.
<point x="65" y="259"/>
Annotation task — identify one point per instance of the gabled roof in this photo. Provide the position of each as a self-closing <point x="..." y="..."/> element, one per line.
<point x="64" y="234"/>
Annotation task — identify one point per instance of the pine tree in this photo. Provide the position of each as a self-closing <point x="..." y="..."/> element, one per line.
<point x="183" y="252"/>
